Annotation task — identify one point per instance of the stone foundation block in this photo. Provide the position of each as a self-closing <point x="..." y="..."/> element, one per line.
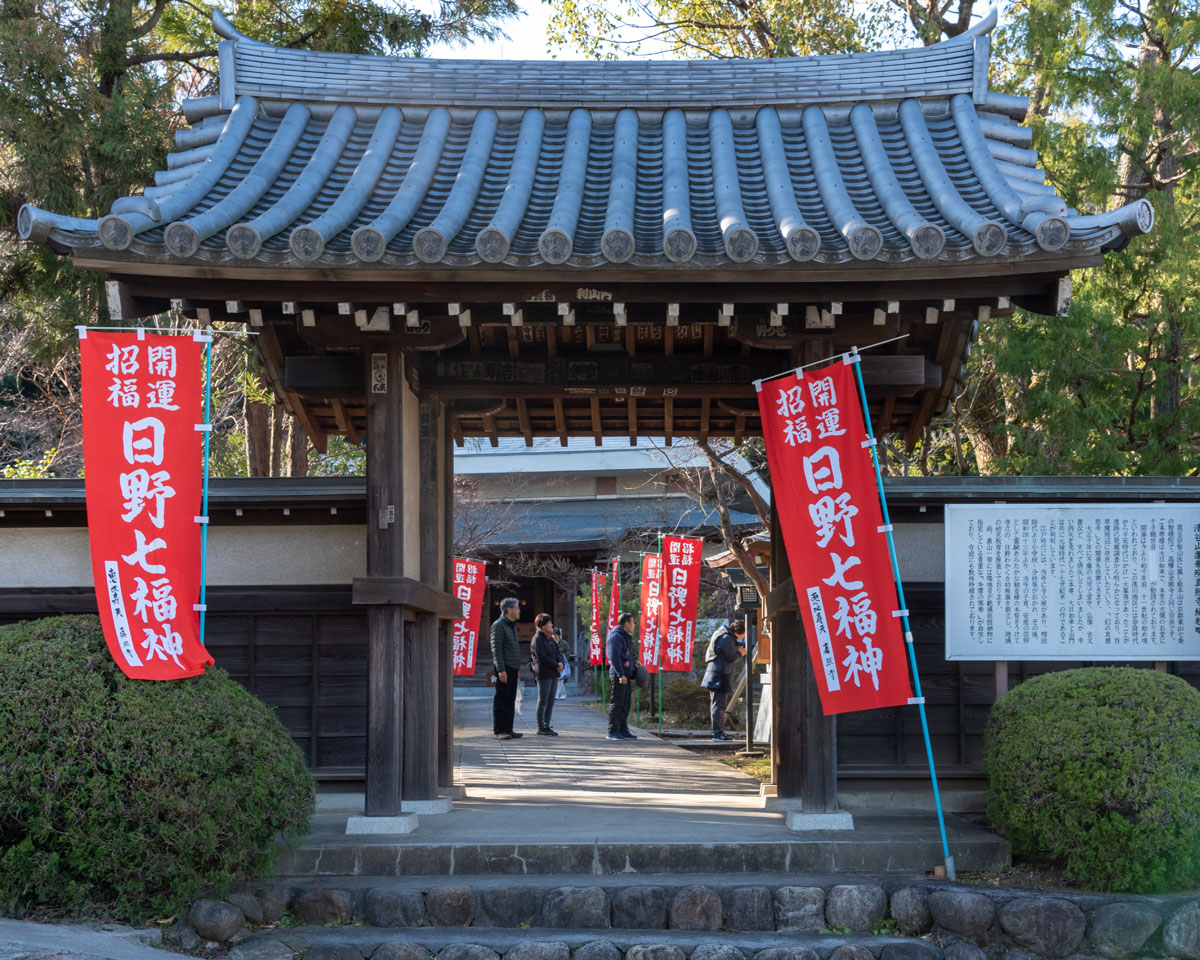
<point x="215" y="919"/>
<point x="910" y="910"/>
<point x="576" y="908"/>
<point x="538" y="950"/>
<point x="696" y="908"/>
<point x="451" y="906"/>
<point x="654" y="951"/>
<point x="507" y="907"/>
<point x="1046" y="925"/>
<point x="751" y="908"/>
<point x="1181" y="935"/>
<point x="387" y="907"/>
<point x="799" y="908"/>
<point x="401" y="950"/>
<point x="597" y="950"/>
<point x="640" y="908"/>
<point x="1121" y="929"/>
<point x="967" y="914"/>
<point x="856" y="906"/>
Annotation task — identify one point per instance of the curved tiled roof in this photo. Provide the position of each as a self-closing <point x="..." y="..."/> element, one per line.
<point x="346" y="160"/>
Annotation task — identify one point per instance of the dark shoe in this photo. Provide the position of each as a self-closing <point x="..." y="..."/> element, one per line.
<point x="504" y="736"/>
<point x="721" y="736"/>
<point x="626" y="735"/>
<point x="551" y="733"/>
<point x="515" y="735"/>
<point x="614" y="736"/>
<point x="545" y="733"/>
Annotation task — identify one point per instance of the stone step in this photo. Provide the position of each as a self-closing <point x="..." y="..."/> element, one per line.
<point x="352" y="942"/>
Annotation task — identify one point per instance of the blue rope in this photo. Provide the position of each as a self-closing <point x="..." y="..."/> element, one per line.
<point x="908" y="641"/>
<point x="204" y="504"/>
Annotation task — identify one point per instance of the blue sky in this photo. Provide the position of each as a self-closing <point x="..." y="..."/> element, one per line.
<point x="527" y="39"/>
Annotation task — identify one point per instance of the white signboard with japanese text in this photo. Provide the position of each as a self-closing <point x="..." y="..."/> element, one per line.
<point x="1076" y="582"/>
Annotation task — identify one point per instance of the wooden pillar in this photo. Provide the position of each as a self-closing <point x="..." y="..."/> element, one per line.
<point x="445" y="692"/>
<point x="803" y="761"/>
<point x="385" y="558"/>
<point x="421" y="650"/>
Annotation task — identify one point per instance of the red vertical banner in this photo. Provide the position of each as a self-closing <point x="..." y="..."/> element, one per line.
<point x="470" y="581"/>
<point x="823" y="481"/>
<point x="651" y="607"/>
<point x="143" y="471"/>
<point x="681" y="595"/>
<point x="596" y="657"/>
<point x="614" y="596"/>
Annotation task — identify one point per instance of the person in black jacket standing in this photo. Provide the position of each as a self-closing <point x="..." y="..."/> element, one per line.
<point x="506" y="659"/>
<point x="727" y="646"/>
<point x="620" y="669"/>
<point x="547" y="662"/>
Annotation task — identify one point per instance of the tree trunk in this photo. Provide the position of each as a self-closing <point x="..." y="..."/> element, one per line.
<point x="277" y="439"/>
<point x="297" y="449"/>
<point x="258" y="439"/>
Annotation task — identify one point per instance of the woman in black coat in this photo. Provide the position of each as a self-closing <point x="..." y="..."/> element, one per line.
<point x="727" y="647"/>
<point x="547" y="662"/>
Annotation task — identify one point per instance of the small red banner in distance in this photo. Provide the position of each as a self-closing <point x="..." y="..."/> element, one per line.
<point x="681" y="594"/>
<point x="651" y="607"/>
<point x="470" y="581"/>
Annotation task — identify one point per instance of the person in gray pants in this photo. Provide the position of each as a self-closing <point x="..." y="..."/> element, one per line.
<point x="506" y="660"/>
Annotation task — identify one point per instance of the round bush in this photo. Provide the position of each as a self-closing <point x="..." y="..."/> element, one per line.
<point x="132" y="796"/>
<point x="1099" y="769"/>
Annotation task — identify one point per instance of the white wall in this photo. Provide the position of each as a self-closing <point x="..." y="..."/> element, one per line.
<point x="238" y="556"/>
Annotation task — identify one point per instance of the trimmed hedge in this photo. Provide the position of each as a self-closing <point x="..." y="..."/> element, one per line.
<point x="132" y="796"/>
<point x="1099" y="769"/>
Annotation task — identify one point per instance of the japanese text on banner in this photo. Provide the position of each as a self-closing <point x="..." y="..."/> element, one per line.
<point x="823" y="481"/>
<point x="470" y="581"/>
<point x="681" y="593"/>
<point x="651" y="610"/>
<point x="596" y="652"/>
<point x="614" y="596"/>
<point x="143" y="472"/>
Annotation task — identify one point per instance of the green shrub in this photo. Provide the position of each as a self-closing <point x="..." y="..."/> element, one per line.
<point x="128" y="795"/>
<point x="686" y="702"/>
<point x="1099" y="769"/>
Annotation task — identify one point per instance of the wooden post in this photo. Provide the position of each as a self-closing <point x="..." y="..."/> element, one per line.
<point x="385" y="558"/>
<point x="802" y="746"/>
<point x="421" y="643"/>
<point x="445" y="733"/>
<point x="1001" y="678"/>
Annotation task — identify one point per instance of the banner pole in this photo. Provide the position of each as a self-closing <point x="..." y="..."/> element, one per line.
<point x="659" y="671"/>
<point x="908" y="637"/>
<point x="204" y="500"/>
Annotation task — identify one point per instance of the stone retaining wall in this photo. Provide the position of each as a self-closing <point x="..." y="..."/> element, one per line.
<point x="942" y="921"/>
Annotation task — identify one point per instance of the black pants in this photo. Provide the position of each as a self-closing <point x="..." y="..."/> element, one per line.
<point x="504" y="702"/>
<point x="545" y="704"/>
<point x="718" y="700"/>
<point x="618" y="707"/>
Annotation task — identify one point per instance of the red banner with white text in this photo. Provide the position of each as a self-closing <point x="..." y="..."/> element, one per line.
<point x="143" y="472"/>
<point x="823" y="481"/>
<point x="470" y="580"/>
<point x="681" y="595"/>
<point x="650" y="609"/>
<point x="596" y="654"/>
<point x="614" y="596"/>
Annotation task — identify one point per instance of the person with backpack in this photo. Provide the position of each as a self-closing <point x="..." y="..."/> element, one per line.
<point x="546" y="661"/>
<point x="726" y="646"/>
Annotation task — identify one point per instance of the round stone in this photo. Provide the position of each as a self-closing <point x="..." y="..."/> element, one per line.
<point x="262" y="950"/>
<point x="576" y="908"/>
<point x="274" y="901"/>
<point x="401" y="950"/>
<point x="751" y="908"/>
<point x="1121" y="929"/>
<point x="215" y="919"/>
<point x="507" y="907"/>
<point x="467" y="951"/>
<point x="597" y="950"/>
<point x="800" y="908"/>
<point x="915" y="950"/>
<point x="1181" y="935"/>
<point x="851" y="951"/>
<point x="717" y="951"/>
<point x="696" y="908"/>
<point x="965" y="951"/>
<point x="910" y="910"/>
<point x="967" y="914"/>
<point x="786" y="953"/>
<point x="639" y="908"/>
<point x="333" y="951"/>
<point x="450" y="906"/>
<point x="250" y="907"/>
<point x="1048" y="926"/>
<point x="538" y="950"/>
<point x="654" y="951"/>
<point x="388" y="907"/>
<point x="318" y="907"/>
<point x="856" y="906"/>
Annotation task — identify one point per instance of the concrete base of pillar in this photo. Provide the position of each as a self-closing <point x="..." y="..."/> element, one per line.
<point x="455" y="792"/>
<point x="841" y="820"/>
<point x="436" y="805"/>
<point x="386" y="826"/>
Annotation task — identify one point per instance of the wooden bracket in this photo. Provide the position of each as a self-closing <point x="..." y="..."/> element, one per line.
<point x="406" y="592"/>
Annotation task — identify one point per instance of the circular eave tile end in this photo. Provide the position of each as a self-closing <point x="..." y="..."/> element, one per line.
<point x="368" y="244"/>
<point x="115" y="233"/>
<point x="617" y="245"/>
<point x="25" y="222"/>
<point x="803" y="244"/>
<point x="989" y="239"/>
<point x="181" y="240"/>
<point x="429" y="245"/>
<point x="1145" y="215"/>
<point x="555" y="246"/>
<point x="1053" y="233"/>
<point x="243" y="242"/>
<point x="865" y="243"/>
<point x="927" y="241"/>
<point x="306" y="243"/>
<point x="679" y="246"/>
<point x="741" y="244"/>
<point x="491" y="245"/>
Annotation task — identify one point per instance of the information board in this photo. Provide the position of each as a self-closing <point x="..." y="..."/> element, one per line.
<point x="1073" y="582"/>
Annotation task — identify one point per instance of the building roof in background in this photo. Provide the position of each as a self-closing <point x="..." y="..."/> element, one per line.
<point x="901" y="157"/>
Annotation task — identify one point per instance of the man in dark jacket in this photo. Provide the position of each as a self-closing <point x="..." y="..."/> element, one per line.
<point x="506" y="658"/>
<point x="620" y="670"/>
<point x="727" y="646"/>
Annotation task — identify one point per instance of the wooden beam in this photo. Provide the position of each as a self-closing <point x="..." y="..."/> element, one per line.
<point x="668" y="419"/>
<point x="344" y="422"/>
<point x="514" y="344"/>
<point x="704" y="413"/>
<point x="596" y="431"/>
<point x="523" y="417"/>
<point x="489" y="427"/>
<point x="560" y="421"/>
<point x="739" y="430"/>
<point x="311" y="427"/>
<point x="633" y="426"/>
<point x="407" y="592"/>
